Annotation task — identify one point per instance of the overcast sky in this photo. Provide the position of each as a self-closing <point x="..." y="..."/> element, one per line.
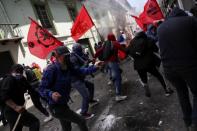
<point x="139" y="4"/>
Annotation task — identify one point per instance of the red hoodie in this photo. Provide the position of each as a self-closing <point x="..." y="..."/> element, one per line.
<point x="117" y="46"/>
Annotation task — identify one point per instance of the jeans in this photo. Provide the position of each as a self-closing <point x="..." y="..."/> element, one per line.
<point x="154" y="71"/>
<point x="116" y="76"/>
<point x="183" y="79"/>
<point x="66" y="116"/>
<point x="27" y="119"/>
<point x="86" y="90"/>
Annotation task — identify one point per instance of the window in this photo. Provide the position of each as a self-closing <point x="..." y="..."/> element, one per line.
<point x="72" y="12"/>
<point x="43" y="16"/>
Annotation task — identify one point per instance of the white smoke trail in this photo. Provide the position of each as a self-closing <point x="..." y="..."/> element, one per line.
<point x="110" y="15"/>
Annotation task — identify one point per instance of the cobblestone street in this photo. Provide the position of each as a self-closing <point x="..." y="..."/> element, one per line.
<point x="137" y="113"/>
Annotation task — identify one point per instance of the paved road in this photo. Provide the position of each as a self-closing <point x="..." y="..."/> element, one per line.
<point x="137" y="113"/>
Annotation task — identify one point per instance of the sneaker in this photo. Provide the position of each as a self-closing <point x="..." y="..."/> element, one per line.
<point x="169" y="92"/>
<point x="109" y="83"/>
<point x="87" y="115"/>
<point x="49" y="118"/>
<point x="147" y="91"/>
<point x="93" y="102"/>
<point x="120" y="98"/>
<point x="5" y="122"/>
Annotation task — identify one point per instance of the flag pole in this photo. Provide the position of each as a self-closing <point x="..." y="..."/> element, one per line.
<point x="101" y="38"/>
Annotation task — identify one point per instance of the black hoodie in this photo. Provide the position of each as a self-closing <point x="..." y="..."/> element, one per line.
<point x="177" y="37"/>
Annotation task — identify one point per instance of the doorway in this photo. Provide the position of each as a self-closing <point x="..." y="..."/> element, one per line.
<point x="6" y="62"/>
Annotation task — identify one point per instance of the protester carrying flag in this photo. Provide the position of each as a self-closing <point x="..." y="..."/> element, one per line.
<point x="109" y="53"/>
<point x="40" y="41"/>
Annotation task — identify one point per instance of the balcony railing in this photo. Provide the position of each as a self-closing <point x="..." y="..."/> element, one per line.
<point x="9" y="31"/>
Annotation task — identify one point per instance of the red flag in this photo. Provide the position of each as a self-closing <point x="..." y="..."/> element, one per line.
<point x="151" y="13"/>
<point x="40" y="41"/>
<point x="82" y="24"/>
<point x="139" y="22"/>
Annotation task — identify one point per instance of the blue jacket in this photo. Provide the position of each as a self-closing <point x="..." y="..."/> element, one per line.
<point x="56" y="80"/>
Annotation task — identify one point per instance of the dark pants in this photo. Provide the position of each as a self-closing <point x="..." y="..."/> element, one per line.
<point x="2" y="117"/>
<point x="181" y="79"/>
<point x="86" y="90"/>
<point x="27" y="119"/>
<point x="154" y="71"/>
<point x="35" y="97"/>
<point x="66" y="116"/>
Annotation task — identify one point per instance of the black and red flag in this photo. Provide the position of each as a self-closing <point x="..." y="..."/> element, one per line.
<point x="40" y="41"/>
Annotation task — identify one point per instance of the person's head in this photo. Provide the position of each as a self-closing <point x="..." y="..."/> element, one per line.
<point x="17" y="69"/>
<point x="111" y="37"/>
<point x="193" y="10"/>
<point x="151" y="28"/>
<point x="35" y="66"/>
<point x="100" y="43"/>
<point x="141" y="35"/>
<point x="63" y="57"/>
<point x="177" y="12"/>
<point x="77" y="48"/>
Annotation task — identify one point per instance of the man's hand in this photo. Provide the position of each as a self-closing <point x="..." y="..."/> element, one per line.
<point x="93" y="61"/>
<point x="56" y="96"/>
<point x="19" y="109"/>
<point x="99" y="64"/>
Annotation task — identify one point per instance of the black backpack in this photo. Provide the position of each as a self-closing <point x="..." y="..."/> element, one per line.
<point x="108" y="51"/>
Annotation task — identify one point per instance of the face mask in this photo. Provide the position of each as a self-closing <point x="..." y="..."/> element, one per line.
<point x="16" y="74"/>
<point x="64" y="66"/>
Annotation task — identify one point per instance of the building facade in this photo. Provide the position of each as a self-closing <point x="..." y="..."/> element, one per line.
<point x="57" y="16"/>
<point x="167" y="5"/>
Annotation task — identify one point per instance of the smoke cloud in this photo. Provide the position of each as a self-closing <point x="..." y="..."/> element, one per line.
<point x="110" y="15"/>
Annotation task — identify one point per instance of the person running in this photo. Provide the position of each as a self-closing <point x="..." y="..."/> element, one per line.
<point x="109" y="53"/>
<point x="142" y="49"/>
<point x="12" y="93"/>
<point x="79" y="82"/>
<point x="35" y="96"/>
<point x="56" y="85"/>
<point x="178" y="46"/>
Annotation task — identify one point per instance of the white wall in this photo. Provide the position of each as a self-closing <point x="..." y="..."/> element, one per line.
<point x="18" y="12"/>
<point x="62" y="20"/>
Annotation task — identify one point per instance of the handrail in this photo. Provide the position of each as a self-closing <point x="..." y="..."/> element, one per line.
<point x="8" y="31"/>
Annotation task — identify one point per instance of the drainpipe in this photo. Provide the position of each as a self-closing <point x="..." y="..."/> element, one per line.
<point x="180" y="4"/>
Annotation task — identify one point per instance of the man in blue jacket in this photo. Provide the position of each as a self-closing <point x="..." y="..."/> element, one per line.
<point x="56" y="85"/>
<point x="79" y="82"/>
<point x="178" y="48"/>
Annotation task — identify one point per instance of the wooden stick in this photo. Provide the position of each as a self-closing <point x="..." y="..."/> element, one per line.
<point x="19" y="116"/>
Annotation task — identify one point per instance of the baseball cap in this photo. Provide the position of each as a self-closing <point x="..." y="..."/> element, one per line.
<point x="61" y="50"/>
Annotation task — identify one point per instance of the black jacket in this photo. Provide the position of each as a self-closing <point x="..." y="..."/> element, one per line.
<point x="178" y="40"/>
<point x="142" y="50"/>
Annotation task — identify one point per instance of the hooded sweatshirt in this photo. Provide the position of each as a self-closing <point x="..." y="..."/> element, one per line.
<point x="116" y="46"/>
<point x="177" y="37"/>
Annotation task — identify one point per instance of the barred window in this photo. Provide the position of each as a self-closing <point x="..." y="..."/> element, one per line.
<point x="43" y="16"/>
